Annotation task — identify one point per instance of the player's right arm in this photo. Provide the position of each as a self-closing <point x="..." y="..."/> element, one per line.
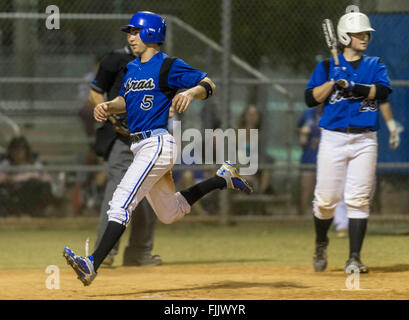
<point x="321" y="93"/>
<point x="104" y="109"/>
<point x="318" y="88"/>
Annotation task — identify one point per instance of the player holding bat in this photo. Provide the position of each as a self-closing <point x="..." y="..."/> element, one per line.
<point x="349" y="85"/>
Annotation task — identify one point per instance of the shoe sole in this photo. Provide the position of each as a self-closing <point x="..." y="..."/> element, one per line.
<point x="320" y="270"/>
<point x="74" y="265"/>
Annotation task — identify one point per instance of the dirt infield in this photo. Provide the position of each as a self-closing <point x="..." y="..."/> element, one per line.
<point x="250" y="282"/>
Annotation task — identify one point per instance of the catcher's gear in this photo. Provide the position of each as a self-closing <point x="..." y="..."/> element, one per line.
<point x="153" y="26"/>
<point x="353" y="22"/>
<point x="119" y="123"/>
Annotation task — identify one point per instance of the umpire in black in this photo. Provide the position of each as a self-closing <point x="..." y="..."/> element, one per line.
<point x="112" y="142"/>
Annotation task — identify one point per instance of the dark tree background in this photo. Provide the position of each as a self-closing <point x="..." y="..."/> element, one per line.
<point x="286" y="32"/>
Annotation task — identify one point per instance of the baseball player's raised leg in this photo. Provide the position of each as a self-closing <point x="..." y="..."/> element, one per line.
<point x="152" y="163"/>
<point x="360" y="181"/>
<point x="168" y="205"/>
<point x="171" y="207"/>
<point x="331" y="170"/>
<point x="153" y="159"/>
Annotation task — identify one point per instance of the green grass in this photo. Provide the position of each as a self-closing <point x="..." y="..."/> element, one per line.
<point x="194" y="243"/>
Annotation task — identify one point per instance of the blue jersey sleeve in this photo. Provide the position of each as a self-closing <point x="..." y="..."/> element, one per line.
<point x="319" y="77"/>
<point x="182" y="76"/>
<point x="381" y="76"/>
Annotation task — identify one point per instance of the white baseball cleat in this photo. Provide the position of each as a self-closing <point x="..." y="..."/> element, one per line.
<point x="233" y="179"/>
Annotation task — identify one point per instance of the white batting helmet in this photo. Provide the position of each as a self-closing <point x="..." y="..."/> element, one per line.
<point x="353" y="22"/>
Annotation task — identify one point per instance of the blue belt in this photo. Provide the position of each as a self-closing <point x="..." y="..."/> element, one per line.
<point x="354" y="130"/>
<point x="138" y="136"/>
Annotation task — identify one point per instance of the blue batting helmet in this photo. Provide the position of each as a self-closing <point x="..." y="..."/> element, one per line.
<point x="153" y="26"/>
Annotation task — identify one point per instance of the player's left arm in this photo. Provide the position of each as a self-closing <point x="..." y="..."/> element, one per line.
<point x="203" y="90"/>
<point x="378" y="90"/>
<point x="369" y="91"/>
<point x="375" y="91"/>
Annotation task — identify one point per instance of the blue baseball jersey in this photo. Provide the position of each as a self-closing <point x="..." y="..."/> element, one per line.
<point x="147" y="104"/>
<point x="342" y="109"/>
<point x="310" y="118"/>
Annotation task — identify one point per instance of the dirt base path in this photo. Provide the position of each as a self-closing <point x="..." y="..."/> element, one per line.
<point x="254" y="282"/>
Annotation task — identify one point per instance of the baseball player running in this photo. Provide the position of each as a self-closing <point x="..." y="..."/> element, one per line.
<point x="148" y="92"/>
<point x="112" y="142"/>
<point x="348" y="147"/>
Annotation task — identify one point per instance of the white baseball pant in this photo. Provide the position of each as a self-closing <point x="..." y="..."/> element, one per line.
<point x="149" y="176"/>
<point x="345" y="162"/>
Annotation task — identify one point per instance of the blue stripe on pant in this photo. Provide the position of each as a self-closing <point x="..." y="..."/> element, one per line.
<point x="140" y="181"/>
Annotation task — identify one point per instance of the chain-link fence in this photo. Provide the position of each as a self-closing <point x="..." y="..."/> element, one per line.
<point x="259" y="53"/>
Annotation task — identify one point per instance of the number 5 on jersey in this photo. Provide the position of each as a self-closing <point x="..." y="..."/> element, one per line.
<point x="147" y="102"/>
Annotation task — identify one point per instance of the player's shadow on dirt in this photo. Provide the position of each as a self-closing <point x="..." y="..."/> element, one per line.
<point x="229" y="285"/>
<point x="174" y="263"/>
<point x="395" y="268"/>
<point x="215" y="261"/>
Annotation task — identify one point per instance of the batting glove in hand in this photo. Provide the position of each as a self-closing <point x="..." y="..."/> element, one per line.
<point x="394" y="140"/>
<point x="394" y="137"/>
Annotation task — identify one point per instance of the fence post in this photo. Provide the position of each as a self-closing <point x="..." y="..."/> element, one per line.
<point x="169" y="37"/>
<point x="291" y="119"/>
<point x="225" y="92"/>
<point x="25" y="43"/>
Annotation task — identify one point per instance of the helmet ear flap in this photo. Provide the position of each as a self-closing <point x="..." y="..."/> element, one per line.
<point x="147" y="35"/>
<point x="143" y="34"/>
<point x="344" y="38"/>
